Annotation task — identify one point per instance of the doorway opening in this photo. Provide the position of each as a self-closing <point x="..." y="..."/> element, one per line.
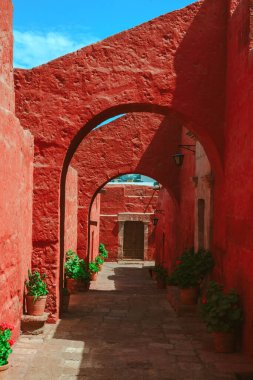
<point x="133" y="243"/>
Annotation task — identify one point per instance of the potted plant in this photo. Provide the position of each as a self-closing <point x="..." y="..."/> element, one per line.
<point x="99" y="261"/>
<point x="191" y="269"/>
<point x="5" y="347"/>
<point x="223" y="316"/>
<point x="71" y="271"/>
<point x="103" y="252"/>
<point x="36" y="293"/>
<point x="93" y="268"/>
<point x="83" y="277"/>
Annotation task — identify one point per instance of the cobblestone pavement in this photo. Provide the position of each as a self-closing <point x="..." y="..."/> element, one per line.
<point x="123" y="328"/>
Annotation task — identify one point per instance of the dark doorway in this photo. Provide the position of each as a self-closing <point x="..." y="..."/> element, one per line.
<point x="133" y="246"/>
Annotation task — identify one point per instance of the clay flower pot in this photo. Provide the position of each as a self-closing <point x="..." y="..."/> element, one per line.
<point x="189" y="296"/>
<point x="3" y="371"/>
<point x="35" y="306"/>
<point x="83" y="286"/>
<point x="224" y="342"/>
<point x="72" y="285"/>
<point x="93" y="276"/>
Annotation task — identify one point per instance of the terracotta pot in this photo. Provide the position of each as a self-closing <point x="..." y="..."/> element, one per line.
<point x="161" y="284"/>
<point x="35" y="306"/>
<point x="189" y="296"/>
<point x="65" y="302"/>
<point x="224" y="342"/>
<point x="154" y="275"/>
<point x="100" y="268"/>
<point x="93" y="276"/>
<point x="83" y="286"/>
<point x="3" y="371"/>
<point x="72" y="285"/>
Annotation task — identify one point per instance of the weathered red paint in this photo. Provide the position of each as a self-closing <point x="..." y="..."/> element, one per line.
<point x="135" y="143"/>
<point x="71" y="207"/>
<point x="16" y="171"/>
<point x="175" y="228"/>
<point x="193" y="65"/>
<point x="125" y="199"/>
<point x="94" y="229"/>
<point x="60" y="102"/>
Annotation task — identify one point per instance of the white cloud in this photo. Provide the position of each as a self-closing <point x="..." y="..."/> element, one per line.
<point x="35" y="48"/>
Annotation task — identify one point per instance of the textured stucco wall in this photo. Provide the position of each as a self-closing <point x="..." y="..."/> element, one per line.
<point x="16" y="176"/>
<point x="71" y="204"/>
<point x="125" y="199"/>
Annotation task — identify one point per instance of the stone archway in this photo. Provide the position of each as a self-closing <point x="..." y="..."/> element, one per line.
<point x="62" y="101"/>
<point x="142" y="143"/>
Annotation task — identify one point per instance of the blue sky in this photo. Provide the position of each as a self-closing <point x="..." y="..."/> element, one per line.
<point x="47" y="29"/>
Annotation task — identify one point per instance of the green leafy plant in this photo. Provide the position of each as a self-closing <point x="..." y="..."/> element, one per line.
<point x="221" y="311"/>
<point x="93" y="267"/>
<point x="99" y="260"/>
<point x="5" y="342"/>
<point x="76" y="268"/>
<point x="191" y="268"/>
<point x="35" y="285"/>
<point x="72" y="267"/>
<point x="70" y="254"/>
<point x="103" y="252"/>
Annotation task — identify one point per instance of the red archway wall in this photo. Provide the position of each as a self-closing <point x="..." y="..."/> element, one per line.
<point x="135" y="143"/>
<point x="176" y="62"/>
<point x="16" y="179"/>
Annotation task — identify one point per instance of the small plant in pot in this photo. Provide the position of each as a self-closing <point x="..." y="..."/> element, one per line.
<point x="191" y="269"/>
<point x="83" y="277"/>
<point x="36" y="293"/>
<point x="75" y="272"/>
<point x="223" y="316"/>
<point x="93" y="268"/>
<point x="99" y="261"/>
<point x="102" y="251"/>
<point x="5" y="347"/>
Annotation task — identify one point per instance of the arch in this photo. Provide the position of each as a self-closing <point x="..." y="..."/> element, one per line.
<point x="60" y="102"/>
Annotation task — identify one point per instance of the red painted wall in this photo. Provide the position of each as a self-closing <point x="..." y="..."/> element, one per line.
<point x="233" y="222"/>
<point x="70" y="235"/>
<point x="94" y="228"/>
<point x="175" y="228"/>
<point x="135" y="143"/>
<point x="178" y="71"/>
<point x="130" y="199"/>
<point x="16" y="173"/>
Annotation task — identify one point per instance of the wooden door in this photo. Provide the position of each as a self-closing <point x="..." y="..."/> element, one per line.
<point x="133" y="246"/>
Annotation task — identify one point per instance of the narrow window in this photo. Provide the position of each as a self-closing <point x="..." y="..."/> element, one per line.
<point x="251" y="25"/>
<point x="201" y="223"/>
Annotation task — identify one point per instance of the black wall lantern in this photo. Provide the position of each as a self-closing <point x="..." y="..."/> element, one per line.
<point x="179" y="157"/>
<point x="155" y="221"/>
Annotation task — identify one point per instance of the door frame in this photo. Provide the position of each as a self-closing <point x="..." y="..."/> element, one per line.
<point x="132" y="217"/>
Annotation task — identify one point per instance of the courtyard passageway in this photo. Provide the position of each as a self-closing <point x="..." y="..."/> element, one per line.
<point x="123" y="328"/>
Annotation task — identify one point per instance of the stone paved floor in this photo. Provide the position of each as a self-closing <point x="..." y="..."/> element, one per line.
<point x="122" y="329"/>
